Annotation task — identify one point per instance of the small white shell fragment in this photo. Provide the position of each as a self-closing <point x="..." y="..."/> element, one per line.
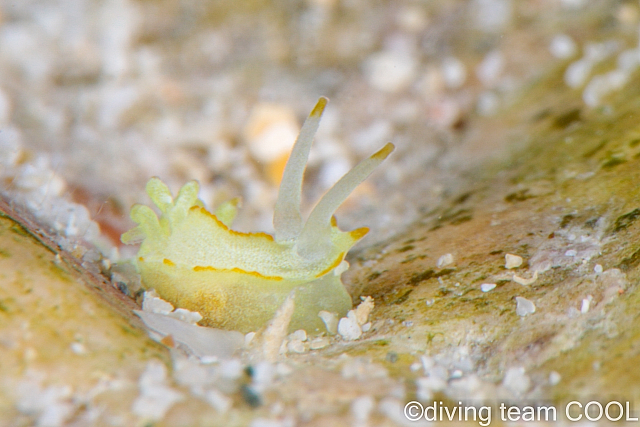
<point x="571" y="252"/>
<point x="525" y="282"/>
<point x="486" y="287"/>
<point x="524" y="307"/>
<point x="330" y="321"/>
<point x="512" y="261"/>
<point x="586" y="304"/>
<point x="348" y="327"/>
<point x="152" y="303"/>
<point x="363" y="310"/>
<point x="198" y="340"/>
<point x="366" y="327"/>
<point x="444" y="260"/>
<point x="318" y="343"/>
<point x="598" y="269"/>
<point x="554" y="377"/>
<point x="300" y="335"/>
<point x="296" y="346"/>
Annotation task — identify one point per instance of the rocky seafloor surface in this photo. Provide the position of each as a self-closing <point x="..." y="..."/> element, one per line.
<point x="502" y="259"/>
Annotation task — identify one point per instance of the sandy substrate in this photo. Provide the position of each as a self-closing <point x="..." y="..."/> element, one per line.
<point x="501" y="257"/>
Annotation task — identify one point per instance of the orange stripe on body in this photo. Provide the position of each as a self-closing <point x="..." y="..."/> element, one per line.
<point x="235" y="270"/>
<point x="332" y="266"/>
<point x="224" y="227"/>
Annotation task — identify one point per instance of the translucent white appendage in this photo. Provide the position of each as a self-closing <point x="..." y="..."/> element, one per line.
<point x="287" y="220"/>
<point x="315" y="235"/>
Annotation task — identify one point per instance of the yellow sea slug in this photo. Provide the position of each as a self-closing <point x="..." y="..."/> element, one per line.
<point x="236" y="280"/>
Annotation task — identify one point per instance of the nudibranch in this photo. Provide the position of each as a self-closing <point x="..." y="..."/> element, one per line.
<point x="195" y="260"/>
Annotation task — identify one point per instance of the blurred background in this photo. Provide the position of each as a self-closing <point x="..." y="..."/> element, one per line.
<point x="98" y="96"/>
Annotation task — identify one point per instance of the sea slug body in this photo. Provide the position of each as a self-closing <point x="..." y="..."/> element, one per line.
<point x="235" y="280"/>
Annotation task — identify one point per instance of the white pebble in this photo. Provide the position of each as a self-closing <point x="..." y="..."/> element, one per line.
<point x="571" y="252"/>
<point x="218" y="400"/>
<point x="78" y="348"/>
<point x="629" y="59"/>
<point x="361" y="408"/>
<point x="348" y="327"/>
<point x="562" y="46"/>
<point x="456" y="374"/>
<point x="454" y="73"/>
<point x="577" y="73"/>
<point x="602" y="85"/>
<point x="554" y="378"/>
<point x="263" y="376"/>
<point x="363" y="310"/>
<point x="516" y="380"/>
<point x="586" y="304"/>
<point x="390" y="71"/>
<point x="486" y="287"/>
<point x="444" y="260"/>
<point x="300" y="335"/>
<point x="366" y="327"/>
<point x="598" y="269"/>
<point x="492" y="15"/>
<point x="524" y="307"/>
<point x="512" y="261"/>
<point x="490" y="68"/>
<point x="488" y="103"/>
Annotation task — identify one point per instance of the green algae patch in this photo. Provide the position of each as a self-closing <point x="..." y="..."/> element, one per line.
<point x="56" y="328"/>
